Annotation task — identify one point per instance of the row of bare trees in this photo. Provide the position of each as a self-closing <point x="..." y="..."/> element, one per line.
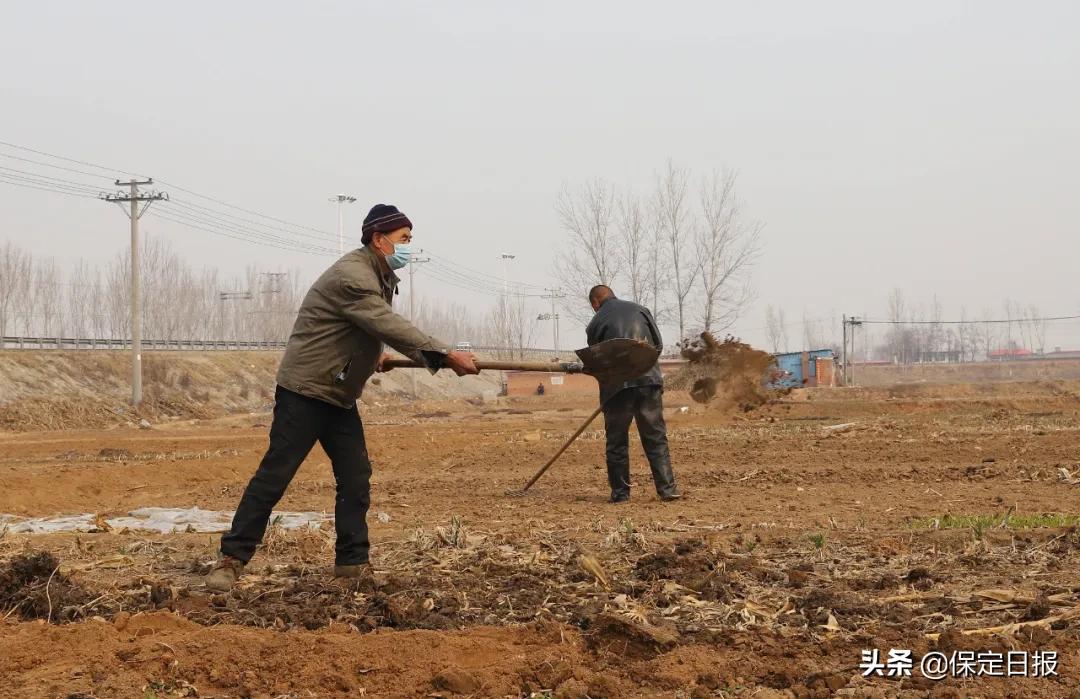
<point x="509" y="324"/>
<point x="917" y="332"/>
<point x="913" y="332"/>
<point x="40" y="299"/>
<point x="685" y="249"/>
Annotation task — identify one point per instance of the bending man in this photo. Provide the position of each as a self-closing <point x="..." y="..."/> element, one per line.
<point x="639" y="399"/>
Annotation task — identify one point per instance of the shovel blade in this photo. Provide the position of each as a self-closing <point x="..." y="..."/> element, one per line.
<point x="617" y="360"/>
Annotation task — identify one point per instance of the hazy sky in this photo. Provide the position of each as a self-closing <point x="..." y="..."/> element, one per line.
<point x="931" y="146"/>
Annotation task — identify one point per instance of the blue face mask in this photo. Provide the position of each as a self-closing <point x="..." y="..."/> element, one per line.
<point x="400" y="258"/>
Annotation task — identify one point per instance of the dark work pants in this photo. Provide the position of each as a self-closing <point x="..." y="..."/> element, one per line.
<point x="645" y="405"/>
<point x="299" y="422"/>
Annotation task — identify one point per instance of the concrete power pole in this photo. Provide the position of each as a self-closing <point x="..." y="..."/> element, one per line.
<point x="134" y="197"/>
<point x="843" y="354"/>
<point x="413" y="261"/>
<point x="341" y="200"/>
<point x="554" y="295"/>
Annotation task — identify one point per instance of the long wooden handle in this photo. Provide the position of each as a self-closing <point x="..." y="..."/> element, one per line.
<point x="558" y="367"/>
<point x="563" y="448"/>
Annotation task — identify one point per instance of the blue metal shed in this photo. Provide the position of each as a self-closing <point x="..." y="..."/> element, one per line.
<point x="792" y="364"/>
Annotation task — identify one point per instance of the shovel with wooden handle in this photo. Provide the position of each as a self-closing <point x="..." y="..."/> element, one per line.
<point x="610" y="361"/>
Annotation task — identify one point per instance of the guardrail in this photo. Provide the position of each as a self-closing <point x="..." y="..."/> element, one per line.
<point x="85" y="343"/>
<point x="89" y="343"/>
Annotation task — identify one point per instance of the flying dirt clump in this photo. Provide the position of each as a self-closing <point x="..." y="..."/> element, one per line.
<point x="726" y="374"/>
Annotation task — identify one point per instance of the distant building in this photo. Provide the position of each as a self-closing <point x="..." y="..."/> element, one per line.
<point x="813" y="368"/>
<point x="938" y="356"/>
<point x="1059" y="353"/>
<point x="998" y="355"/>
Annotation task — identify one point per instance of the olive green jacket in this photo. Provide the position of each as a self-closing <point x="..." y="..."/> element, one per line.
<point x="340" y="329"/>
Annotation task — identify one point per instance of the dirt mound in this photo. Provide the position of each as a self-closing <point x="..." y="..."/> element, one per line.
<point x="690" y="564"/>
<point x="32" y="586"/>
<point x="729" y="374"/>
<point x="94" y="387"/>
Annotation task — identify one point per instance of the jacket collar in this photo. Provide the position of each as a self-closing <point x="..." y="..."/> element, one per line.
<point x="386" y="275"/>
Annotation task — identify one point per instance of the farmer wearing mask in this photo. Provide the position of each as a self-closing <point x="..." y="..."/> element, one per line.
<point x="640" y="399"/>
<point x="335" y="346"/>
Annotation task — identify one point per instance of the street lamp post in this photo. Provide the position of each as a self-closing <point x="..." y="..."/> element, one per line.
<point x="341" y="200"/>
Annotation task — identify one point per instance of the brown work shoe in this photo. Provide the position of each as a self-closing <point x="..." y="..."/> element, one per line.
<point x="361" y="571"/>
<point x="223" y="575"/>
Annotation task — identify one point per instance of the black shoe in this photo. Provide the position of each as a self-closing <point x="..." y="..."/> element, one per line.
<point x="669" y="497"/>
<point x="619" y="498"/>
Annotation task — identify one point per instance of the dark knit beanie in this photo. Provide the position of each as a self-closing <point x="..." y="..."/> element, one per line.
<point x="383" y="218"/>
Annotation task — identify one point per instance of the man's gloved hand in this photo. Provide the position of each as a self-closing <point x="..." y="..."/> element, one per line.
<point x="380" y="367"/>
<point x="462" y="363"/>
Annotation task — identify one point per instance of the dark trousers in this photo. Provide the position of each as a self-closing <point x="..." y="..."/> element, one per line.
<point x="645" y="405"/>
<point x="299" y="422"/>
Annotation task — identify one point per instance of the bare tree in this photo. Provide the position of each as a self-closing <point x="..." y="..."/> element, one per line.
<point x="452" y="322"/>
<point x="49" y="292"/>
<point x="14" y="267"/>
<point x="726" y="246"/>
<point x="633" y="230"/>
<point x="969" y="338"/>
<point x="676" y="232"/>
<point x="26" y="296"/>
<point x="1038" y="329"/>
<point x="659" y="265"/>
<point x="592" y="254"/>
<point x="813" y="333"/>
<point x="776" y="329"/>
<point x="512" y="326"/>
<point x="81" y="301"/>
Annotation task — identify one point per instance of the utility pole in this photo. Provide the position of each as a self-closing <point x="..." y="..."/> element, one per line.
<point x="849" y="357"/>
<point x="239" y="296"/>
<point x="843" y="353"/>
<point x="554" y="294"/>
<point x="134" y="197"/>
<point x="413" y="261"/>
<point x="269" y="320"/>
<point x="506" y="257"/>
<point x="275" y="281"/>
<point x="341" y="200"/>
<point x="506" y="273"/>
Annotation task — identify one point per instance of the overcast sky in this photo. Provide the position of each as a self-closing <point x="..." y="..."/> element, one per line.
<point x="930" y="146"/>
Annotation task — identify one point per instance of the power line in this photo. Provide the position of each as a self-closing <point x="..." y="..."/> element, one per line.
<point x="223" y="215"/>
<point x="286" y="236"/>
<point x="57" y="167"/>
<point x="480" y="284"/>
<point x="965" y="322"/>
<point x="69" y="160"/>
<point x="473" y="272"/>
<point x="327" y="234"/>
<point x="457" y="283"/>
<point x="22" y="182"/>
<point x="45" y="179"/>
<point x="244" y="230"/>
<point x="247" y="239"/>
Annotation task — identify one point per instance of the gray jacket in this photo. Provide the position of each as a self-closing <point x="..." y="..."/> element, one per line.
<point x="340" y="329"/>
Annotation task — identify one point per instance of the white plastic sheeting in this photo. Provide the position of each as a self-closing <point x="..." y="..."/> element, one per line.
<point x="164" y="520"/>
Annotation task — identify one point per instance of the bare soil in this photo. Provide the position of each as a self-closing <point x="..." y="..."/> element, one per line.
<point x="803" y="540"/>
